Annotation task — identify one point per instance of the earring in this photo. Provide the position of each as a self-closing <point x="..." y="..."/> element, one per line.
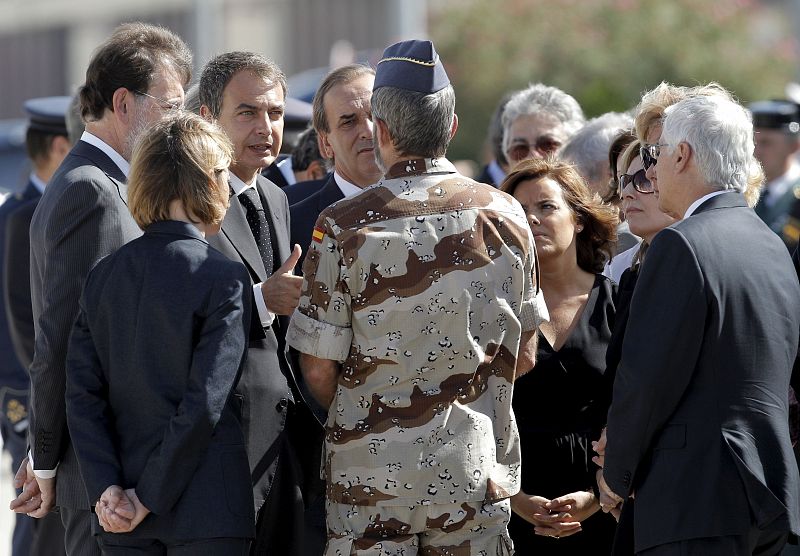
<point x="579" y="228"/>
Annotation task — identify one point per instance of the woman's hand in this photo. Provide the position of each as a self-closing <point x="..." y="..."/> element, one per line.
<point x="583" y="504"/>
<point x="555" y="521"/>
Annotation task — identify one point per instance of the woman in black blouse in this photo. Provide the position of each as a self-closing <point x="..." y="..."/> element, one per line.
<point x="560" y="405"/>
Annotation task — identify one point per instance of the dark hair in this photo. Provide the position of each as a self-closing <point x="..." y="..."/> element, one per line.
<point x="306" y="150"/>
<point x="595" y="243"/>
<point x="618" y="146"/>
<point x="38" y="144"/>
<point x="345" y="74"/>
<point x="221" y="69"/>
<point x="129" y="59"/>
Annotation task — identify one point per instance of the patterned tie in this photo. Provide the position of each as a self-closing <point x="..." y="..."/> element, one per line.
<point x="259" y="225"/>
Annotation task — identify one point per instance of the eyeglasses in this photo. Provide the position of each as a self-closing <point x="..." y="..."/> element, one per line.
<point x="163" y="103"/>
<point x="650" y="153"/>
<point x="520" y="151"/>
<point x="639" y="181"/>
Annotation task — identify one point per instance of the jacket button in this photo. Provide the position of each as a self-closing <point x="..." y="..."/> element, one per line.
<point x="281" y="405"/>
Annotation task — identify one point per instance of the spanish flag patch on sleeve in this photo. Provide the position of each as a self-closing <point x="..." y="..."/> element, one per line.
<point x="318" y="234"/>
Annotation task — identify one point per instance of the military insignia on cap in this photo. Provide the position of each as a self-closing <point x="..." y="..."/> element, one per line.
<point x="411" y="65"/>
<point x="318" y="234"/>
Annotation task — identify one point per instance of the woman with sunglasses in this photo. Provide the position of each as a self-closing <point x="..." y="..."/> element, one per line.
<point x="560" y="405"/>
<point x="640" y="206"/>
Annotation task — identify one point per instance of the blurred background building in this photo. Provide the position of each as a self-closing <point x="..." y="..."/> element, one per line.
<point x="605" y="53"/>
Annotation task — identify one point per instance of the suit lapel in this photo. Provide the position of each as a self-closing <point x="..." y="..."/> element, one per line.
<point x="329" y="194"/>
<point x="101" y="160"/>
<point x="280" y="227"/>
<point x="237" y="230"/>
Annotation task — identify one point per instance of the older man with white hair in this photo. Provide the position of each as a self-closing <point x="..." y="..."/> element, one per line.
<point x="698" y="425"/>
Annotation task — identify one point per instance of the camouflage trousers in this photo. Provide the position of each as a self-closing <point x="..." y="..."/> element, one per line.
<point x="466" y="529"/>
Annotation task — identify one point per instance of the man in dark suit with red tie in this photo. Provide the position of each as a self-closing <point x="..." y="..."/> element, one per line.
<point x="698" y="427"/>
<point x="244" y="93"/>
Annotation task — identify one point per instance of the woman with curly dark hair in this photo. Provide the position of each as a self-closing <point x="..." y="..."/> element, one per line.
<point x="560" y="405"/>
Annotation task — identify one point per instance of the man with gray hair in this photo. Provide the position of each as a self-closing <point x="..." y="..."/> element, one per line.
<point x="588" y="148"/>
<point x="698" y="427"/>
<point x="416" y="293"/>
<point x="537" y="121"/>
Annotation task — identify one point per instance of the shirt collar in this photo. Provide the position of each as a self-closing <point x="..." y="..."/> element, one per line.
<point x="345" y="186"/>
<point x="238" y="185"/>
<point x="115" y="157"/>
<point x="693" y="207"/>
<point x="417" y="166"/>
<point x="285" y="166"/>
<point x="37" y="182"/>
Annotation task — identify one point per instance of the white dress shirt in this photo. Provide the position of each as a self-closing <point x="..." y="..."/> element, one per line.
<point x="115" y="157"/>
<point x="37" y="182"/>
<point x="703" y="199"/>
<point x="345" y="186"/>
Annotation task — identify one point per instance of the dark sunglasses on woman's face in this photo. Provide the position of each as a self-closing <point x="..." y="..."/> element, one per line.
<point x="639" y="181"/>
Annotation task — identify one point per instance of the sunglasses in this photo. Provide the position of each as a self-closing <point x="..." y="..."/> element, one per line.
<point x="520" y="151"/>
<point x="639" y="181"/>
<point x="650" y="153"/>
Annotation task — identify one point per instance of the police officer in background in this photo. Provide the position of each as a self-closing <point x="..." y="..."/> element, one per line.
<point x="47" y="144"/>
<point x="777" y="138"/>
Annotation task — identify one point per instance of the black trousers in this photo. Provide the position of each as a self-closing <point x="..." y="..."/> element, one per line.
<point x="757" y="543"/>
<point x="129" y="546"/>
<point x="78" y="537"/>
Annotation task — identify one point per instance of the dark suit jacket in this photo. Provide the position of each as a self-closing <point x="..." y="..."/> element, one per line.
<point x="153" y="357"/>
<point x="303" y="189"/>
<point x="17" y="281"/>
<point x="16" y="337"/>
<point x="305" y="214"/>
<point x="267" y="389"/>
<point x="81" y="218"/>
<point x="698" y="427"/>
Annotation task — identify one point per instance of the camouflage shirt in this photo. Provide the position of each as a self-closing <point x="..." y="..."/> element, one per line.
<point x="421" y="286"/>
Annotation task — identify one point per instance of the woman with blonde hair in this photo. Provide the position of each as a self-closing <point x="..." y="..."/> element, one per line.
<point x="153" y="358"/>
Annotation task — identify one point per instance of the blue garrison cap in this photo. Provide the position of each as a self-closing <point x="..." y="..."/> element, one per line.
<point x="411" y="65"/>
<point x="776" y="114"/>
<point x="48" y="114"/>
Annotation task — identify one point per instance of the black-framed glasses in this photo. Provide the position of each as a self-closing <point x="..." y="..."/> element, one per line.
<point x="163" y="103"/>
<point x="639" y="181"/>
<point x="650" y="153"/>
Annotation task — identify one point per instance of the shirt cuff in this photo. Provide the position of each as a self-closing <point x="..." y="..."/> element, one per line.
<point x="319" y="339"/>
<point x="41" y="473"/>
<point x="263" y="313"/>
<point x="533" y="313"/>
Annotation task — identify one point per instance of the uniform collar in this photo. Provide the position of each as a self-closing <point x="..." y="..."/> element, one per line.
<point x="418" y="166"/>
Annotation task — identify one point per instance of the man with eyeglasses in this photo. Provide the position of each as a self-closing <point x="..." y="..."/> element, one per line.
<point x="134" y="77"/>
<point x="537" y="121"/>
<point x="698" y="426"/>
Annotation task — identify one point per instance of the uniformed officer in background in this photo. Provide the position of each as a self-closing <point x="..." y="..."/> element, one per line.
<point x="777" y="138"/>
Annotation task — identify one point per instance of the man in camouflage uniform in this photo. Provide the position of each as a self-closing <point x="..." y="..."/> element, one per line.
<point x="416" y="294"/>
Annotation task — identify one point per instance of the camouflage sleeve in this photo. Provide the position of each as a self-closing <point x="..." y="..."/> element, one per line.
<point x="321" y="324"/>
<point x="533" y="311"/>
